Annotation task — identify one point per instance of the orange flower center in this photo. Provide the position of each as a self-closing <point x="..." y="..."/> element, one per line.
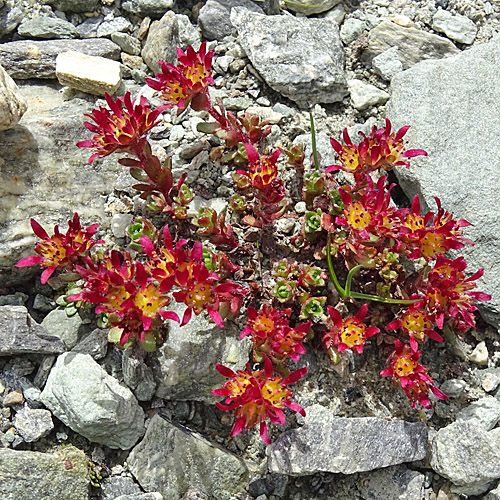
<point x="262" y="173"/>
<point x="274" y="392"/>
<point x="199" y="295"/>
<point x="264" y="324"/>
<point x="431" y="245"/>
<point x="357" y="216"/>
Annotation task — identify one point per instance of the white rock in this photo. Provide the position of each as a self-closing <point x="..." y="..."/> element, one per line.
<point x="364" y="95"/>
<point x="351" y="29"/>
<point x="458" y="28"/>
<point x="480" y="354"/>
<point x="387" y="64"/>
<point x="12" y="103"/>
<point x="91" y="74"/>
<point x="265" y="113"/>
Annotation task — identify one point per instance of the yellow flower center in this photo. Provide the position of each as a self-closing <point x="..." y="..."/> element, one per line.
<point x="196" y="73"/>
<point x="357" y="216"/>
<point x="239" y="385"/>
<point x="353" y="334"/>
<point x="414" y="222"/>
<point x="116" y="296"/>
<point x="416" y="322"/>
<point x="52" y="251"/>
<point x="149" y="300"/>
<point x="199" y="295"/>
<point x="349" y="159"/>
<point x="264" y="324"/>
<point x="431" y="245"/>
<point x="274" y="392"/>
<point x="264" y="172"/>
<point x="405" y="365"/>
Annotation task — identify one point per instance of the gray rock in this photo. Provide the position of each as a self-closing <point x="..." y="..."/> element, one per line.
<point x="116" y="486"/>
<point x="119" y="224"/>
<point x="387" y="64"/>
<point x="138" y="376"/>
<point x="459" y="28"/>
<point x="29" y="475"/>
<point x="117" y="24"/>
<point x="351" y="29"/>
<point x="466" y="454"/>
<point x="10" y="17"/>
<point x="493" y="494"/>
<point x="37" y="59"/>
<point x="490" y="379"/>
<point x="392" y="483"/>
<point x="88" y="28"/>
<point x="91" y="402"/>
<point x="172" y="459"/>
<point x="214" y="18"/>
<point x="486" y="412"/>
<point x="66" y="328"/>
<point x="309" y="7"/>
<point x="12" y="103"/>
<point x="14" y="299"/>
<point x="20" y="334"/>
<point x="184" y="365"/>
<point x="453" y="388"/>
<point x="151" y="8"/>
<point x="300" y="58"/>
<point x="48" y="133"/>
<point x="73" y="5"/>
<point x="188" y="34"/>
<point x="346" y="445"/>
<point x="127" y="43"/>
<point x="33" y="425"/>
<point x="414" y="45"/>
<point x="451" y="91"/>
<point x="43" y="303"/>
<point x="364" y="95"/>
<point x="162" y="42"/>
<point x="47" y="28"/>
<point x="141" y="496"/>
<point x="95" y="344"/>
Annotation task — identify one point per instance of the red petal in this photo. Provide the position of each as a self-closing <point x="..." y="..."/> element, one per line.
<point x="39" y="230"/>
<point x="47" y="274"/>
<point x="238" y="426"/>
<point x="29" y="261"/>
<point x="224" y="370"/>
<point x="296" y="375"/>
<point x="263" y="433"/>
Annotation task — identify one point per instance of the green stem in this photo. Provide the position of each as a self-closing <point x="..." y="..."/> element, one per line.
<point x="349" y="280"/>
<point x="313" y="140"/>
<point x="336" y="283"/>
<point x="376" y="298"/>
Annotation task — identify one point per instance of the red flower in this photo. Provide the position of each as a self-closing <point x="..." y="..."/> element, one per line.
<point x="433" y="234"/>
<point x="381" y="149"/>
<point x="257" y="396"/>
<point x="187" y="83"/>
<point x="262" y="170"/>
<point x="272" y="335"/>
<point x="350" y="333"/>
<point x="61" y="251"/>
<point x="410" y="374"/>
<point x="122" y="129"/>
<point x="449" y="294"/>
<point x="417" y="324"/>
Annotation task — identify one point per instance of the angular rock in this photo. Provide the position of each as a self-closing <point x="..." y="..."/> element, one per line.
<point x="65" y="327"/>
<point x="91" y="74"/>
<point x="12" y="103"/>
<point x="37" y="59"/>
<point x="47" y="28"/>
<point x="364" y="95"/>
<point x="138" y="376"/>
<point x="141" y="496"/>
<point x="466" y="454"/>
<point x="493" y="494"/>
<point x="309" y="7"/>
<point x="486" y="412"/>
<point x="73" y="5"/>
<point x="162" y="42"/>
<point x="414" y="45"/>
<point x="188" y="34"/>
<point x="20" y="334"/>
<point x="452" y="91"/>
<point x="300" y="58"/>
<point x="127" y="43"/>
<point x="151" y="8"/>
<point x="184" y="366"/>
<point x="171" y="459"/>
<point x="10" y="17"/>
<point x="214" y="18"/>
<point x="33" y="425"/>
<point x="33" y="155"/>
<point x="480" y="354"/>
<point x="88" y="400"/>
<point x="107" y="28"/>
<point x="95" y="344"/>
<point x="387" y="64"/>
<point x="115" y="486"/>
<point x="346" y="445"/>
<point x="29" y="475"/>
<point x="458" y="28"/>
<point x="351" y="29"/>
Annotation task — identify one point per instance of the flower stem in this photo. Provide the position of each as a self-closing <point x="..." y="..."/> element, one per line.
<point x="313" y="141"/>
<point x="349" y="280"/>
<point x="336" y="283"/>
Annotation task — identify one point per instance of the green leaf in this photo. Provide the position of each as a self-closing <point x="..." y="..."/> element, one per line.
<point x="149" y="344"/>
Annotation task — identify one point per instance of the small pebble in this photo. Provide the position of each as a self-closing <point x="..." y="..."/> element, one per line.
<point x="14" y="398"/>
<point x="490" y="381"/>
<point x="480" y="354"/>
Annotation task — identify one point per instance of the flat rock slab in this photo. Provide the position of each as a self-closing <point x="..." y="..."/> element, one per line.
<point x="453" y="107"/>
<point x="172" y="460"/>
<point x="81" y="394"/>
<point x="346" y="445"/>
<point x="300" y="58"/>
<point x="37" y="59"/>
<point x="413" y="45"/>
<point x="44" y="175"/>
<point x="30" y="475"/>
<point x="21" y="334"/>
